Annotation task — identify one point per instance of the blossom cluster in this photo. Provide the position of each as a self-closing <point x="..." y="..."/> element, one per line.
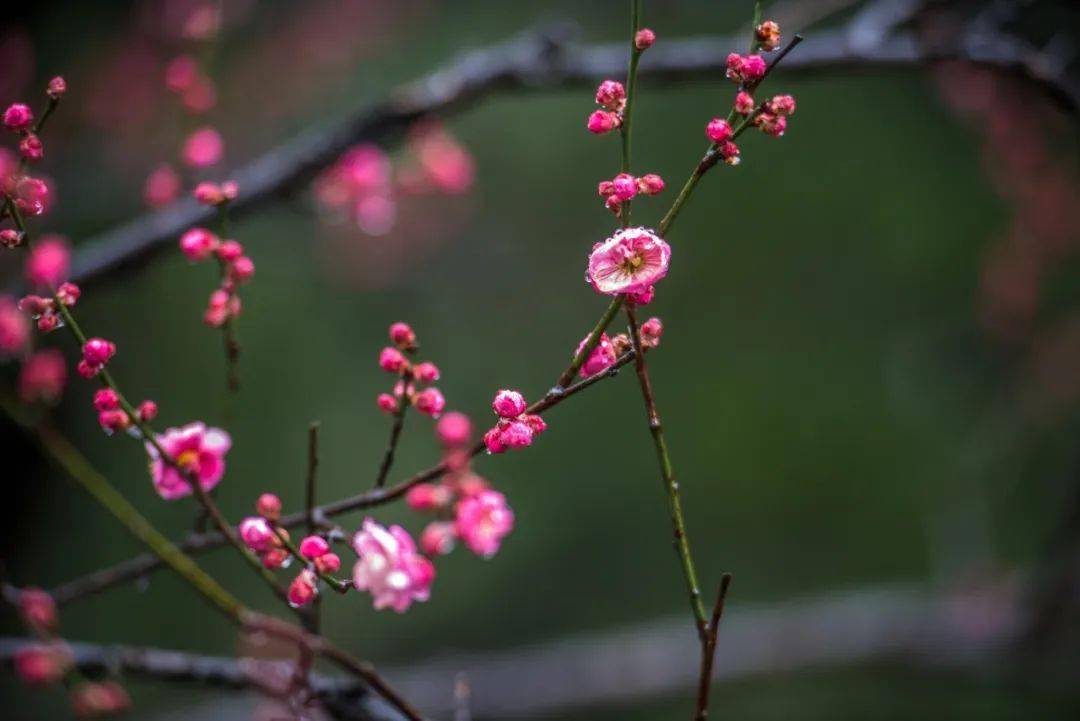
<point x="200" y="244"/>
<point x="624" y="187"/>
<point x="365" y="185"/>
<point x="516" y="428"/>
<point x="396" y="359"/>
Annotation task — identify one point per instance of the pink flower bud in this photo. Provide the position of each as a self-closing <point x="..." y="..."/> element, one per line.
<point x="313" y="546"/>
<point x="43" y="376"/>
<point x="651" y="330"/>
<point x="268" y="506"/>
<point x="601" y="358"/>
<point x="95" y="700"/>
<point x="734" y="67"/>
<point x="744" y="103"/>
<point x="106" y="399"/>
<point x="392" y="360"/>
<point x="41" y="664"/>
<point x="203" y="148"/>
<point x="768" y="35"/>
<point x="770" y="124"/>
<point x="256" y="534"/>
<point x="534" y="422"/>
<point x="387" y="403"/>
<point x="49" y="322"/>
<point x="782" y="105"/>
<point x="242" y="269"/>
<point x="68" y="294"/>
<point x="18" y="116"/>
<point x="402" y="335"/>
<point x="98" y="351"/>
<point x="517" y="434"/>
<point x="605" y="188"/>
<point x="644" y="39"/>
<point x="603" y="121"/>
<point x="613" y="204"/>
<point x="753" y="68"/>
<point x="35" y="305"/>
<point x="276" y="558"/>
<point x="86" y="370"/>
<point x="56" y="88"/>
<point x="426" y="372"/>
<point x="430" y="402"/>
<point x="10" y="238"/>
<point x="508" y="404"/>
<point x="650" y="184"/>
<point x="49" y="262"/>
<point x="161" y="187"/>
<point x="302" y="590"/>
<point x="437" y="538"/>
<point x="198" y="244"/>
<point x="30" y="147"/>
<point x="113" y="421"/>
<point x="729" y="151"/>
<point x="718" y="130"/>
<point x="230" y="250"/>
<point x="427" y="497"/>
<point x="181" y="73"/>
<point x="230" y="189"/>
<point x="611" y="95"/>
<point x="625" y="186"/>
<point x="328" y="563"/>
<point x="38" y="610"/>
<point x="147" y="411"/>
<point x="209" y="194"/>
<point x="454" y="429"/>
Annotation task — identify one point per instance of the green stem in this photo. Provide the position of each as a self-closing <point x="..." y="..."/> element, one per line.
<point x="79" y="468"/>
<point x="628" y="110"/>
<point x="671" y="487"/>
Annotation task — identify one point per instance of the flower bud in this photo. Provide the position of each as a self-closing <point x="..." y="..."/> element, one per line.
<point x="430" y="402"/>
<point x="644" y="39"/>
<point x="56" y="88"/>
<point x="718" y="130"/>
<point x="18" y="116"/>
<point x="10" y="238"/>
<point x="426" y="372"/>
<point x="403" y="336"/>
<point x="147" y="411"/>
<point x="38" y="610"/>
<point x="768" y="35"/>
<point x="387" y="403"/>
<point x="508" y="404"/>
<point x="98" y="351"/>
<point x="650" y="184"/>
<point x="313" y="546"/>
<point x="302" y="590"/>
<point x="454" y="429"/>
<point x="611" y="95"/>
<point x="625" y="186"/>
<point x="392" y="360"/>
<point x="328" y="563"/>
<point x="603" y="121"/>
<point x="106" y="399"/>
<point x="269" y="507"/>
<point x="744" y="103"/>
<point x="437" y="538"/>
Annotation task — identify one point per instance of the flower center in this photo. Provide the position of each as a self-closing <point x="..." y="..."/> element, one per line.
<point x="632" y="263"/>
<point x="188" y="460"/>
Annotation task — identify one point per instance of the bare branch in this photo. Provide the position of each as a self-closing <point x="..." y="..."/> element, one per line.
<point x="547" y="59"/>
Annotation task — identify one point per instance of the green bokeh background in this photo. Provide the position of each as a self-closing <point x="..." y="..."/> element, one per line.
<point x="823" y="376"/>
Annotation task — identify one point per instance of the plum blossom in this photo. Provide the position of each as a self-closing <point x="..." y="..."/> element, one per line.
<point x="390" y="567"/>
<point x="628" y="262"/>
<point x="602" y="357"/>
<point x="256" y="534"/>
<point x="482" y="521"/>
<point x="197" y="450"/>
<point x="49" y="262"/>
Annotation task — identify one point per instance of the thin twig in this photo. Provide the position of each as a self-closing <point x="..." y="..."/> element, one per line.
<point x="141" y="566"/>
<point x="395" y="435"/>
<point x="708" y="650"/>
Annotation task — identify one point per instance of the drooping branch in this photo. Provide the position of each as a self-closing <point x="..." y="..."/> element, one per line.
<point x="548" y="59"/>
<point x="140" y="566"/>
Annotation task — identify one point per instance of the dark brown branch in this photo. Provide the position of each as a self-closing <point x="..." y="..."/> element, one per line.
<point x="395" y="436"/>
<point x="708" y="650"/>
<point x="140" y="566"/>
<point x="548" y="59"/>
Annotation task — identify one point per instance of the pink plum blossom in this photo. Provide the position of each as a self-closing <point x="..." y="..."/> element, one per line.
<point x="482" y="521"/>
<point x="454" y="429"/>
<point x="14" y="328"/>
<point x="430" y="402"/>
<point x="390" y="568"/>
<point x="43" y="376"/>
<point x="197" y="450"/>
<point x="203" y="148"/>
<point x="508" y="404"/>
<point x="49" y="262"/>
<point x="311" y="547"/>
<point x="628" y="262"/>
<point x="256" y="534"/>
<point x="303" y="589"/>
<point x="198" y="244"/>
<point x="18" y="116"/>
<point x="602" y="357"/>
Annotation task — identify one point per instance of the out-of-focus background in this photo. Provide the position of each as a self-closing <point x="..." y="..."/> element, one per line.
<point x="870" y="372"/>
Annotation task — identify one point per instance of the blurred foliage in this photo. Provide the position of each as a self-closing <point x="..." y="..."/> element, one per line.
<point x="836" y="413"/>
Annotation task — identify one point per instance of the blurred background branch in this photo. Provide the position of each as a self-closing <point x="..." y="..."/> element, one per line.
<point x="880" y="35"/>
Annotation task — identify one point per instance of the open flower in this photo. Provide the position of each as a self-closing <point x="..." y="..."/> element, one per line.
<point x="390" y="568"/>
<point x="628" y="262"/>
<point x="198" y="450"/>
<point x="482" y="521"/>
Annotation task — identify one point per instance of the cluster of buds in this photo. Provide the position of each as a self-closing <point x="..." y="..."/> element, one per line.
<point x="112" y="417"/>
<point x="45" y="311"/>
<point x="772" y="120"/>
<point x="747" y="71"/>
<point x="260" y="533"/>
<point x="611" y="97"/>
<point x="214" y="194"/>
<point x="515" y="428"/>
<point x="315" y="550"/>
<point x="51" y="660"/>
<point x="624" y="187"/>
<point x="96" y="353"/>
<point x="465" y="506"/>
<point x="199" y="244"/>
<point x="608" y="349"/>
<point x="396" y="359"/>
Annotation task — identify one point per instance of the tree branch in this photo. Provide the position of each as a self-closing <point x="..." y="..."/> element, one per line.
<point x="140" y="566"/>
<point x="548" y="59"/>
